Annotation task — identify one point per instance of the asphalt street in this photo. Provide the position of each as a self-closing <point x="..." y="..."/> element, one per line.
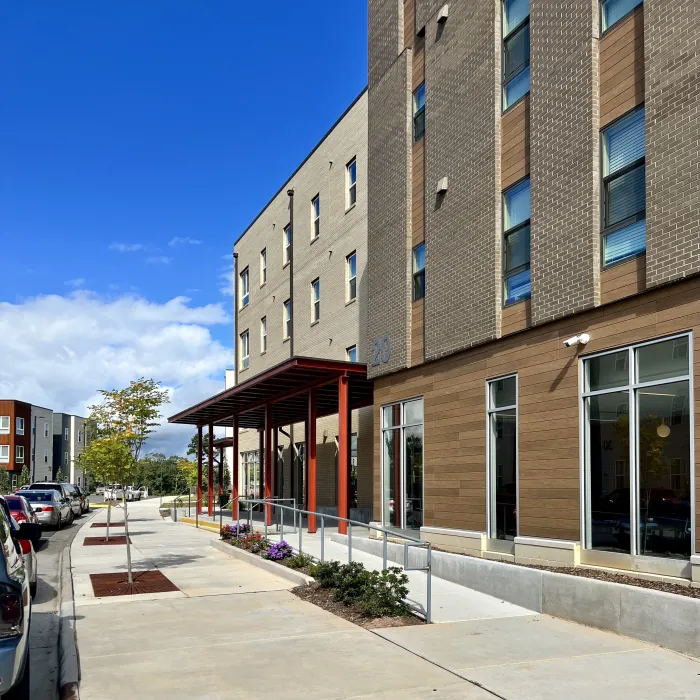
<point x="43" y="637"/>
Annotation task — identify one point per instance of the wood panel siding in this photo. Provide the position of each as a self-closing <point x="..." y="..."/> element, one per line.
<point x="622" y="68"/>
<point x="515" y="143"/>
<point x="454" y="390"/>
<point x="418" y="75"/>
<point x="417" y="332"/>
<point x="409" y="23"/>
<point x="418" y="192"/>
<point x="623" y="280"/>
<point x="516" y="317"/>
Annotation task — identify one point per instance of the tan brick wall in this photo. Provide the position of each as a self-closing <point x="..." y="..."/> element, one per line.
<point x="672" y="78"/>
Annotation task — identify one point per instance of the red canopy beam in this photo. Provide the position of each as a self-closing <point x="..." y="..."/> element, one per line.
<point x="199" y="469"/>
<point x="311" y="459"/>
<point x="210" y="475"/>
<point x="343" y="452"/>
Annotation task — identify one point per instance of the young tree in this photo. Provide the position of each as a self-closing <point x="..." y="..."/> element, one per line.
<point x="4" y="481"/>
<point x="128" y="417"/>
<point x="25" y="478"/>
<point x="60" y="478"/>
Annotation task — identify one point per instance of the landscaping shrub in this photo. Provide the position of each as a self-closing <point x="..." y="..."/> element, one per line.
<point x="252" y="542"/>
<point x="230" y="532"/>
<point x="279" y="551"/>
<point x="376" y="593"/>
<point x="299" y="561"/>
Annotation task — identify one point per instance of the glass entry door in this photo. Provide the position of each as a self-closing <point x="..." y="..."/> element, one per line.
<point x="402" y="464"/>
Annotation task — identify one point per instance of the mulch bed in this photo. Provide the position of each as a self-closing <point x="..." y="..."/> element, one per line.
<point x="600" y="575"/>
<point x="117" y="539"/>
<point x="144" y="582"/>
<point x="323" y="598"/>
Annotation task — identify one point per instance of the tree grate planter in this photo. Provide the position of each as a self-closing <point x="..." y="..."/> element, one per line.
<point x="111" y="524"/>
<point x="116" y="539"/>
<point x="152" y="581"/>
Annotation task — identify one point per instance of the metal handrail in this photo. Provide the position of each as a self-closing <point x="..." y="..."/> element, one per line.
<point x="244" y="499"/>
<point x="411" y="541"/>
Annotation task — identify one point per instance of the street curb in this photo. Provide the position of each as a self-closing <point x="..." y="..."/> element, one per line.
<point x="68" y="659"/>
<point x="272" y="567"/>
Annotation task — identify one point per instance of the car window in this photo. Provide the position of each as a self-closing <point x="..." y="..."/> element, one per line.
<point x="38" y="497"/>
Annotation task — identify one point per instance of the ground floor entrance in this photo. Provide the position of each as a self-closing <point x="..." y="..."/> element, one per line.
<point x="528" y="450"/>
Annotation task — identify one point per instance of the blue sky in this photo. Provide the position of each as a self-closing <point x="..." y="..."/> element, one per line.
<point x="137" y="141"/>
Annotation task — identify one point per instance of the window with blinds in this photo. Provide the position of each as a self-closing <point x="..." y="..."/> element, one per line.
<point x="516" y="242"/>
<point x="624" y="188"/>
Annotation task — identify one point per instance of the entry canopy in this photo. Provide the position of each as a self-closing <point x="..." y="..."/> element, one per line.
<point x="285" y="389"/>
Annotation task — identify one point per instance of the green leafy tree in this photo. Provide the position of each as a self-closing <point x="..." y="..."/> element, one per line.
<point x="60" y="478"/>
<point x="126" y="418"/>
<point x="4" y="481"/>
<point x="25" y="478"/>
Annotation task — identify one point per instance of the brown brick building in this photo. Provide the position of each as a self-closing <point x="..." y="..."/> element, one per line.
<point x="533" y="179"/>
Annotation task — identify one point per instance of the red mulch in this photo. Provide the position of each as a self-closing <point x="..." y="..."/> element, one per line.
<point x="111" y="524"/>
<point x="144" y="582"/>
<point x="117" y="539"/>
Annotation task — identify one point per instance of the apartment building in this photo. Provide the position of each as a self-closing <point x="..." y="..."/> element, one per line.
<point x="68" y="443"/>
<point x="41" y="465"/>
<point x="301" y="291"/>
<point x="15" y="437"/>
<point x="533" y="289"/>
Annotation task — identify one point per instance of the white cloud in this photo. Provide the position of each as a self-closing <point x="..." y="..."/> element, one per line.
<point x="160" y="260"/>
<point x="226" y="285"/>
<point x="126" y="247"/>
<point x="59" y="350"/>
<point x="178" y="240"/>
<point x="76" y="283"/>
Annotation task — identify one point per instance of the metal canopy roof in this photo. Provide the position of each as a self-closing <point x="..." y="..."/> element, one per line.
<point x="285" y="386"/>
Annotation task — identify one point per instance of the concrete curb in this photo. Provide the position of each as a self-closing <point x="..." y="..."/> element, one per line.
<point x="69" y="664"/>
<point x="273" y="567"/>
<point x="666" y="619"/>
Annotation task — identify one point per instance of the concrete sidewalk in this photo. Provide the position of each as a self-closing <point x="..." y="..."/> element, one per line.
<point x="235" y="631"/>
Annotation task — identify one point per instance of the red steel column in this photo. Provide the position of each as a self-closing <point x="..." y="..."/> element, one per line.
<point x="268" y="462"/>
<point x="275" y="464"/>
<point x="343" y="452"/>
<point x="210" y="475"/>
<point x="234" y="468"/>
<point x="199" y="469"/>
<point x="311" y="459"/>
<point x="221" y="471"/>
<point x="261" y="465"/>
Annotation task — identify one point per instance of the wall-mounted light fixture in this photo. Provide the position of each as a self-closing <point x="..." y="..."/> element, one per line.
<point x="442" y="13"/>
<point x="442" y="185"/>
<point x="577" y="340"/>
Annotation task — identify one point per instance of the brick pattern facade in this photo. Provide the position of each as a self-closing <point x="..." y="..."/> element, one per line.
<point x="462" y="240"/>
<point x="672" y="77"/>
<point x="385" y="28"/>
<point x="564" y="157"/>
<point x="389" y="213"/>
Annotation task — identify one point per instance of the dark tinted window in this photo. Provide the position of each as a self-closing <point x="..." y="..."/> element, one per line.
<point x="14" y="502"/>
<point x="38" y="496"/>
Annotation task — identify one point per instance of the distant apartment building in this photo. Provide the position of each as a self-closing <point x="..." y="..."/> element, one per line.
<point x="26" y="439"/>
<point x="68" y="443"/>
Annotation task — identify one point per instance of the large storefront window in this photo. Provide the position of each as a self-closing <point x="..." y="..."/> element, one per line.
<point x="402" y="464"/>
<point x="638" y="416"/>
<point x="503" y="459"/>
<point x="250" y="461"/>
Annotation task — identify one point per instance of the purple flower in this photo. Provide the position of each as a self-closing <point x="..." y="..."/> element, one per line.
<point x="279" y="551"/>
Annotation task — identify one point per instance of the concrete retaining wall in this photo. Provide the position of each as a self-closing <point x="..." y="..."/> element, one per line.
<point x="666" y="619"/>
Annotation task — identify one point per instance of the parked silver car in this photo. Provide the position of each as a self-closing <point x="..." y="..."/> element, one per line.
<point x="15" y="607"/>
<point x="67" y="491"/>
<point x="51" y="509"/>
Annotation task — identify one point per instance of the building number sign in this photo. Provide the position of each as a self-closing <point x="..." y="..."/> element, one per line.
<point x="381" y="351"/>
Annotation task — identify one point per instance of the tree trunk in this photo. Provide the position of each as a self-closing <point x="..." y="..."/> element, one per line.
<point x="109" y="512"/>
<point x="126" y="532"/>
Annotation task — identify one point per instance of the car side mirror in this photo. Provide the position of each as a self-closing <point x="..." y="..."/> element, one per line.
<point x="28" y="531"/>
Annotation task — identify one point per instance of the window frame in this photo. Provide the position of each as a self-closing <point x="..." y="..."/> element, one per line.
<point x="245" y="349"/>
<point x="604" y="31"/>
<point x="315" y="217"/>
<point x="5" y="430"/>
<point x="350" y="278"/>
<point x="505" y="38"/>
<point x="348" y="351"/>
<point x="263" y="335"/>
<point x="19" y="454"/>
<point x="263" y="267"/>
<point x="5" y="459"/>
<point x="418" y="113"/>
<point x="415" y="274"/>
<point x="66" y="434"/>
<point x="287" y="245"/>
<point x="605" y="180"/>
<point x="46" y="455"/>
<point x="286" y="319"/>
<point x="316" y="301"/>
<point x="507" y="274"/>
<point x="46" y="430"/>
<point x="350" y="185"/>
<point x="673" y="566"/>
<point x="490" y="467"/>
<point x="245" y="287"/>
<point x="20" y="425"/>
